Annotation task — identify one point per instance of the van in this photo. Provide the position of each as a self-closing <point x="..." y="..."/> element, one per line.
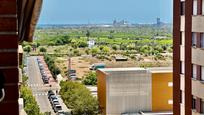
<point x="97" y="66"/>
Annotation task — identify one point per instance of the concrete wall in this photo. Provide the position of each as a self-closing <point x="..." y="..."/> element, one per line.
<point x="128" y="91"/>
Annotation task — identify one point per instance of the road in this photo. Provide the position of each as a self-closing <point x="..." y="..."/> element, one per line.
<point x="36" y="84"/>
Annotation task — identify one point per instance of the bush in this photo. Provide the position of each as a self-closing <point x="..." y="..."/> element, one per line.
<point x="27" y="48"/>
<point x="42" y="49"/>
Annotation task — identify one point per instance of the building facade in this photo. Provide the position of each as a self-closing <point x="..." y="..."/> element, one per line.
<point x="188" y="60"/>
<point x="17" y="23"/>
<point x="132" y="90"/>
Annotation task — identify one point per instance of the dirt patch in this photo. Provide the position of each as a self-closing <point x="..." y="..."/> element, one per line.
<point x="80" y="65"/>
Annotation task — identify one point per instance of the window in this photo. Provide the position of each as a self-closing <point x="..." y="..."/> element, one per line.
<point x="194" y="39"/>
<point x="182" y="8"/>
<point x="170" y="84"/>
<point x="202" y="106"/>
<point x="202" y="38"/>
<point x="170" y="102"/>
<point x="194" y="72"/>
<point x="182" y="67"/>
<point x="202" y="73"/>
<point x="182" y="38"/>
<point x="194" y="103"/>
<point x="195" y="7"/>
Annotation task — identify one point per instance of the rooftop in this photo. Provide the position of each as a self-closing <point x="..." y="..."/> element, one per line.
<point x="157" y="113"/>
<point x="152" y="70"/>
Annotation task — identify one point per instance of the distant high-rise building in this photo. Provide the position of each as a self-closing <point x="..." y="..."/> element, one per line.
<point x="128" y="91"/>
<point x="158" y="21"/>
<point x="120" y="23"/>
<point x="188" y="61"/>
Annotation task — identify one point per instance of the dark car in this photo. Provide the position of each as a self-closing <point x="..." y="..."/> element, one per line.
<point x="61" y="112"/>
<point x="52" y="97"/>
<point x="50" y="94"/>
<point x="57" y="108"/>
<point x="55" y="103"/>
<point x="45" y="80"/>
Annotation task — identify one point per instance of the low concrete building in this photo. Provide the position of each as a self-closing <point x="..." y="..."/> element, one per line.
<point x="132" y="90"/>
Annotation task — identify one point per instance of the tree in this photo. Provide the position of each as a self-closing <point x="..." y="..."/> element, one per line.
<point x="94" y="51"/>
<point x="37" y="44"/>
<point x="87" y="51"/>
<point x="106" y="50"/>
<point x="31" y="106"/>
<point x="78" y="98"/>
<point x="115" y="47"/>
<point x="82" y="44"/>
<point x="76" y="52"/>
<point x="27" y="48"/>
<point x="90" y="79"/>
<point x="43" y="49"/>
<point x="51" y="65"/>
<point x="88" y="34"/>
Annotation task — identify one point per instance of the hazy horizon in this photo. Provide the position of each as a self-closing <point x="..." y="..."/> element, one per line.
<point x="105" y="11"/>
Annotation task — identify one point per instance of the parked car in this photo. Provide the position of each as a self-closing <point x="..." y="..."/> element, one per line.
<point x="73" y="77"/>
<point x="52" y="97"/>
<point x="97" y="66"/>
<point x="45" y="80"/>
<point x="50" y="94"/>
<point x="57" y="108"/>
<point x="61" y="112"/>
<point x="55" y="103"/>
<point x="71" y="71"/>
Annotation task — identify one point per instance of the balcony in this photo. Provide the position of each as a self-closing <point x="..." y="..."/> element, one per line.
<point x="197" y="23"/>
<point x="198" y="56"/>
<point x="197" y="88"/>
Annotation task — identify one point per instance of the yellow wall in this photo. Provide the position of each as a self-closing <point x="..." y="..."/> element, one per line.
<point x="101" y="84"/>
<point x="161" y="92"/>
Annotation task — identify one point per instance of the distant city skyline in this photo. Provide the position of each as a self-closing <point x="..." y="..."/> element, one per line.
<point x="105" y="11"/>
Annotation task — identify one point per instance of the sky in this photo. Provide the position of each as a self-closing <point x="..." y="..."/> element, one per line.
<point x="105" y="11"/>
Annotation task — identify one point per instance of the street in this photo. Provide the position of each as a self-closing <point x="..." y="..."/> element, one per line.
<point x="37" y="86"/>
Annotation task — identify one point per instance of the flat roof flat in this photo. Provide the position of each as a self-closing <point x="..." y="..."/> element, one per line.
<point x="157" y="113"/>
<point x="152" y="70"/>
<point x="160" y="69"/>
<point x="120" y="69"/>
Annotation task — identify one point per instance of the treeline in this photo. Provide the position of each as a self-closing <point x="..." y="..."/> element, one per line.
<point x="30" y="104"/>
<point x="51" y="65"/>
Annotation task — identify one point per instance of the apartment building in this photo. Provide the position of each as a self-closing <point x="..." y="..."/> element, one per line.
<point x="17" y="23"/>
<point x="188" y="60"/>
<point x="124" y="91"/>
